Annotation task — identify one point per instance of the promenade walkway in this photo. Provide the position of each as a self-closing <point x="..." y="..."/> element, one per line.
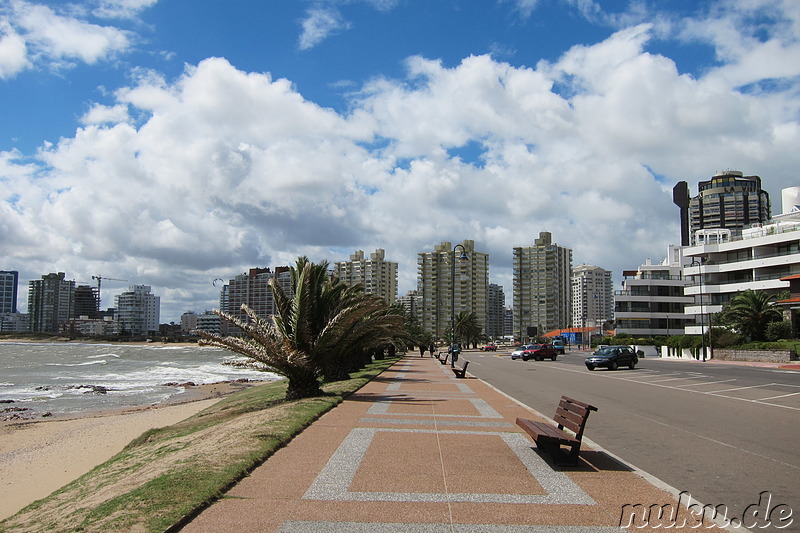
<point x="417" y="450"/>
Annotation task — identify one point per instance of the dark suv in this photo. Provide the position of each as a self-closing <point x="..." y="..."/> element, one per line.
<point x="613" y="357"/>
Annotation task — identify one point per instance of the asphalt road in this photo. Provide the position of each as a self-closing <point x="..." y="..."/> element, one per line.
<point x="723" y="433"/>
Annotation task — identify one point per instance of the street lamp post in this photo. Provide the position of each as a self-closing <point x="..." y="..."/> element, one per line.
<point x="453" y="300"/>
<point x="699" y="264"/>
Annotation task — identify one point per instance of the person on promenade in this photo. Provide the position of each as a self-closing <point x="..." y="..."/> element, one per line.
<point x="454" y="350"/>
<point x="421" y="350"/>
<point x="430" y="349"/>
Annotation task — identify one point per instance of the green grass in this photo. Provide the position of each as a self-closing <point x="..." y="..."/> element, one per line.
<point x="166" y="475"/>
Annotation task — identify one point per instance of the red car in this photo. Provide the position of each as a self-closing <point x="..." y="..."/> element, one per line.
<point x="489" y="348"/>
<point x="539" y="352"/>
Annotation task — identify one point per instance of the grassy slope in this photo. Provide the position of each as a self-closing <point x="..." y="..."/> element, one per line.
<point x="167" y="474"/>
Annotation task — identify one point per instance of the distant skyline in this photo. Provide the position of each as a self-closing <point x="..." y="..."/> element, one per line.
<point x="172" y="143"/>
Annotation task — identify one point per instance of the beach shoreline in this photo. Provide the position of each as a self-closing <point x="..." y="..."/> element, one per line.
<point x="39" y="456"/>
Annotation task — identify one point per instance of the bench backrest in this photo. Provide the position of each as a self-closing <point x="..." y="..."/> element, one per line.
<point x="572" y="414"/>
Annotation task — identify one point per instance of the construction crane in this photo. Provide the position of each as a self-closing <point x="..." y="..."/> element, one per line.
<point x="99" y="280"/>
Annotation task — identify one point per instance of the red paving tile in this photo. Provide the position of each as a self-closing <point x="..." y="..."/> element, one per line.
<point x="418" y="446"/>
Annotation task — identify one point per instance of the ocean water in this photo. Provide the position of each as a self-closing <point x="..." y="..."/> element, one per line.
<point x="64" y="378"/>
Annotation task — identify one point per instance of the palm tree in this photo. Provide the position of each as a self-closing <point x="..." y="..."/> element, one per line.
<point x="317" y="331"/>
<point x="466" y="327"/>
<point x="750" y="311"/>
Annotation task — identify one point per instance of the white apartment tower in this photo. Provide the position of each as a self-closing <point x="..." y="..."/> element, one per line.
<point x="377" y="275"/>
<point x="592" y="296"/>
<point x="138" y="310"/>
<point x="542" y="287"/>
<point x="452" y="279"/>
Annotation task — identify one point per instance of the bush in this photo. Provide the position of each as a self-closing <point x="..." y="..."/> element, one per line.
<point x="725" y="338"/>
<point x="778" y="330"/>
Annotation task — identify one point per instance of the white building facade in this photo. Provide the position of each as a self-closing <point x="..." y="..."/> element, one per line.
<point x="652" y="300"/>
<point x="726" y="265"/>
<point x="138" y="310"/>
<point x="592" y="296"/>
<point x="377" y="275"/>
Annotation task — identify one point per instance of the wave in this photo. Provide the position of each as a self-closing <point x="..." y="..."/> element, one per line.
<point x="98" y="356"/>
<point x="87" y="363"/>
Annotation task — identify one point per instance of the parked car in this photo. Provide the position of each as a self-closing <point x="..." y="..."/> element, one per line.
<point x="491" y="347"/>
<point x="612" y="357"/>
<point x="535" y="351"/>
<point x="517" y="353"/>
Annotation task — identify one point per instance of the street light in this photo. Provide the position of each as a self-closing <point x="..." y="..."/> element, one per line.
<point x="699" y="264"/>
<point x="453" y="300"/>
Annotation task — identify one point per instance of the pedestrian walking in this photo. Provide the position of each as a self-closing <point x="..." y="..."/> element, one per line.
<point x="421" y="350"/>
<point x="431" y="347"/>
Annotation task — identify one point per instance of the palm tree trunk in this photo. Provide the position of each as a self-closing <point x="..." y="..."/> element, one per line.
<point x="303" y="384"/>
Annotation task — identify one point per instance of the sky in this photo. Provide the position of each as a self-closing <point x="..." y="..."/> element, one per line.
<point x="173" y="142"/>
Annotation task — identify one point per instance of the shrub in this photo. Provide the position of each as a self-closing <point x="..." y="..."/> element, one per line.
<point x="778" y="330"/>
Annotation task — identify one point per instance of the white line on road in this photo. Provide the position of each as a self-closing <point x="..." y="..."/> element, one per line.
<point x="742" y="388"/>
<point x="714" y="393"/>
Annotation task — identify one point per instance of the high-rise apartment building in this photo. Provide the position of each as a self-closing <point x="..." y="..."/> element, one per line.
<point x="138" y="310"/>
<point x="592" y="296"/>
<point x="253" y="290"/>
<point x="9" y="280"/>
<point x="51" y="301"/>
<point x="757" y="260"/>
<point x="729" y="200"/>
<point x="412" y="303"/>
<point x="87" y="302"/>
<point x="542" y="287"/>
<point x="452" y="279"/>
<point x="377" y="275"/>
<point x="495" y="313"/>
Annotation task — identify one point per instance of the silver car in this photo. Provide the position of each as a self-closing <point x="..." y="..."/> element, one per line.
<point x="517" y="353"/>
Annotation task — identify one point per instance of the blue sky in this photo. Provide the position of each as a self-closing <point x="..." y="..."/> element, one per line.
<point x="173" y="142"/>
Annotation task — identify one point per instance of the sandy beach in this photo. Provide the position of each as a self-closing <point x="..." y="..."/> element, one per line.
<point x="40" y="456"/>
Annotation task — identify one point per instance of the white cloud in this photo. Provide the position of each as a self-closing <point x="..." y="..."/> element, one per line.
<point x="100" y="114"/>
<point x="34" y="34"/>
<point x="223" y="170"/>
<point x="13" y="53"/>
<point x="70" y="38"/>
<point x="319" y="24"/>
<point x="122" y="9"/>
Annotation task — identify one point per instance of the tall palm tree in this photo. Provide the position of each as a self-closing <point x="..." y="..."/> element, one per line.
<point x="466" y="327"/>
<point x="750" y="311"/>
<point x="317" y="330"/>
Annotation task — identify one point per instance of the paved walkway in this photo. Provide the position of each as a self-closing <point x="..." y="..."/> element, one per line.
<point x="419" y="450"/>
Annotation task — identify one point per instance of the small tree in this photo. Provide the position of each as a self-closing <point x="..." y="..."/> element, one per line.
<point x="749" y="313"/>
<point x="778" y="330"/>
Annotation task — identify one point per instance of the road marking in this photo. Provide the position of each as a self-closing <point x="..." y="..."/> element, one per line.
<point x="742" y="388"/>
<point x="776" y="397"/>
<point x="707" y="383"/>
<point x="669" y="379"/>
<point x="713" y="393"/>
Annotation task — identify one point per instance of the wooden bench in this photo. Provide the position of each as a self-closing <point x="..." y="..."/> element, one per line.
<point x="570" y="414"/>
<point x="443" y="361"/>
<point x="460" y="372"/>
